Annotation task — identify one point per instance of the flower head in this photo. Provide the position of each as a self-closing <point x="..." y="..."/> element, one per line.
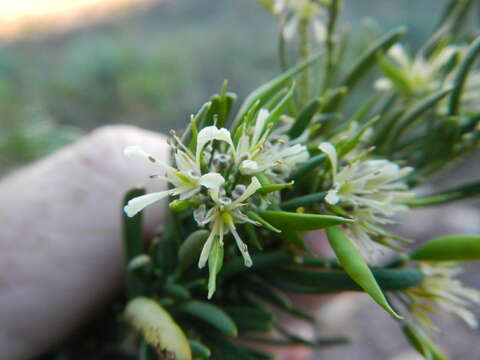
<point x="417" y="75"/>
<point x="295" y="11"/>
<point x="371" y="190"/>
<point x="225" y="212"/>
<point x="186" y="179"/>
<point x="441" y="291"/>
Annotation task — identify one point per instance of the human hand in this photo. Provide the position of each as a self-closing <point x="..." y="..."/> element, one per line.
<point x="61" y="258"/>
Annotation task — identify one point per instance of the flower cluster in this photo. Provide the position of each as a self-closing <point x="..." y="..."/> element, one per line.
<point x="372" y="191"/>
<point x="293" y="12"/>
<point x="441" y="291"/>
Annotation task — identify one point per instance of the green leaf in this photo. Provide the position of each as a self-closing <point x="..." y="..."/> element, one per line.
<point x="157" y="327"/>
<point x="274" y="115"/>
<point x="305" y="200"/>
<point x="302" y="222"/>
<point x="367" y="59"/>
<point x="266" y="91"/>
<point x="133" y="244"/>
<point x="198" y="119"/>
<point x="396" y="74"/>
<point x="256" y="217"/>
<point x="210" y="314"/>
<point x="252" y="236"/>
<point x="215" y="262"/>
<point x="459" y="193"/>
<point x="461" y="76"/>
<point x="449" y="248"/>
<point x="354" y="264"/>
<point x="190" y="249"/>
<point x="223" y="349"/>
<point x="304" y="119"/>
<point x="249" y="318"/>
<point x="418" y="110"/>
<point x="307" y="166"/>
<point x="269" y="188"/>
<point x="176" y="291"/>
<point x="422" y="344"/>
<point x="199" y="350"/>
<point x="260" y="261"/>
<point x="325" y="282"/>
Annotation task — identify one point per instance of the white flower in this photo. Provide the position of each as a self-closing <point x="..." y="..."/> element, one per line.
<point x="296" y="11"/>
<point x="187" y="180"/>
<point x="257" y="152"/>
<point x="373" y="184"/>
<point x="373" y="192"/>
<point x="441" y="291"/>
<point x="222" y="217"/>
<point x="419" y="74"/>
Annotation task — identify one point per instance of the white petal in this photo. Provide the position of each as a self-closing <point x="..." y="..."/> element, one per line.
<point x="210" y="133"/>
<point x="319" y="30"/>
<point x="206" y="250"/>
<point x="332" y="197"/>
<point x="249" y="191"/>
<point x="329" y="149"/>
<point x="212" y="181"/>
<point x="242" y="247"/>
<point x="382" y="84"/>
<point x="259" y="125"/>
<point x="290" y="28"/>
<point x="137" y="153"/>
<point x="248" y="167"/>
<point x="135" y="205"/>
<point x="397" y="52"/>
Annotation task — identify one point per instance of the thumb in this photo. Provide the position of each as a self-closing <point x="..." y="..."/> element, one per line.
<point x="61" y="252"/>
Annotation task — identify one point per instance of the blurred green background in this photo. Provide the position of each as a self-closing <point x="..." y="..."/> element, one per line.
<point x="154" y="66"/>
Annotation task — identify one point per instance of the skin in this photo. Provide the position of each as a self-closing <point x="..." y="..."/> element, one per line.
<point x="61" y="256"/>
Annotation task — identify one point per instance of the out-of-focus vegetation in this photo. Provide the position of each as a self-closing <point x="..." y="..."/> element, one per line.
<point x="153" y="67"/>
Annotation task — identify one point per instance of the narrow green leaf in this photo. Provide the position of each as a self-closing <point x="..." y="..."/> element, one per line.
<point x="199" y="350"/>
<point x="210" y="314"/>
<point x="199" y="119"/>
<point x="249" y="318"/>
<point x="422" y="344"/>
<point x="266" y="91"/>
<point x="302" y="222"/>
<point x="418" y="110"/>
<point x="305" y="200"/>
<point x="294" y="238"/>
<point x="260" y="261"/>
<point x="396" y="74"/>
<point x="449" y="248"/>
<point x="325" y="282"/>
<point x="354" y="264"/>
<point x="215" y="262"/>
<point x="274" y="116"/>
<point x="304" y="119"/>
<point x="269" y="188"/>
<point x="223" y="349"/>
<point x="256" y="217"/>
<point x="133" y="244"/>
<point x="309" y="165"/>
<point x="176" y="291"/>
<point x="252" y="236"/>
<point x="461" y="76"/>
<point x="190" y="249"/>
<point x="367" y="60"/>
<point x="459" y="193"/>
<point x="157" y="327"/>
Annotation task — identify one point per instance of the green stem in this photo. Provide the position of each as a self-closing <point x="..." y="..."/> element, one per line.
<point x="333" y="11"/>
<point x="304" y="52"/>
<point x="462" y="192"/>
